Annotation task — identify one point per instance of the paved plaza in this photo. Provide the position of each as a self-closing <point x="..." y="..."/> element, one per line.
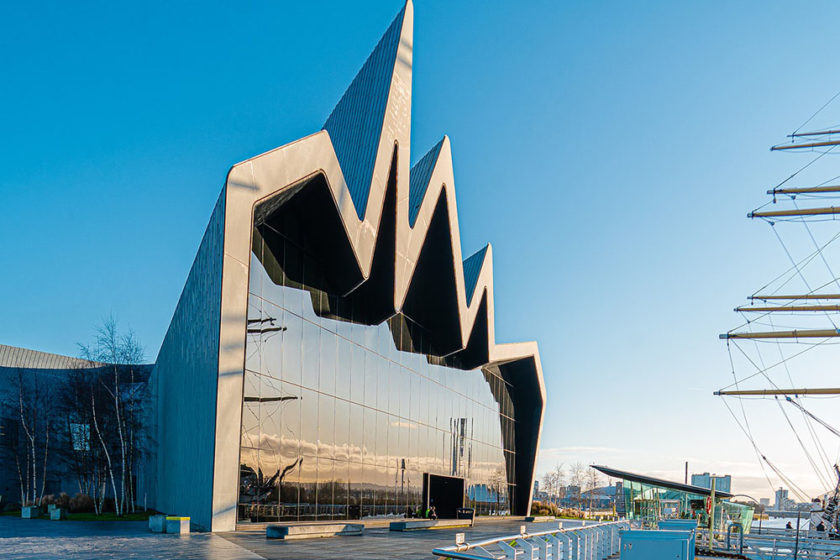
<point x="29" y="539"/>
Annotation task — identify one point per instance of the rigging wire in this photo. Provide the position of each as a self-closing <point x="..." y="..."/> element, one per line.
<point x="820" y="449"/>
<point x="791" y="270"/>
<point x="790" y="257"/>
<point x="810" y="347"/>
<point x="747" y="431"/>
<point x="817" y="444"/>
<point x="826" y="463"/>
<point x="817" y="112"/>
<point x="825" y="424"/>
<point x="819" y="473"/>
<point x="820" y="251"/>
<point x="803" y="168"/>
<point x="817" y="470"/>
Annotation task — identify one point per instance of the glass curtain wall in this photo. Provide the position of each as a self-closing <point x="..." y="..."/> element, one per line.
<point x="338" y="423"/>
<point x="645" y="502"/>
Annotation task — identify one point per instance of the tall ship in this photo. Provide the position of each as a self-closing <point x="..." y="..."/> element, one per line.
<point x="782" y="353"/>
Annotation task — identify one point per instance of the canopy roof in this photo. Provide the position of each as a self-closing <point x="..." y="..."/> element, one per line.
<point x="660" y="482"/>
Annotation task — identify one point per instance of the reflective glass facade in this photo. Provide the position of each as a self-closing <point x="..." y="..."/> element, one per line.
<point x="338" y="422"/>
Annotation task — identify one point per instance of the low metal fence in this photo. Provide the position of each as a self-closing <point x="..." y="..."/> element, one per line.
<point x="588" y="542"/>
<point x="776" y="544"/>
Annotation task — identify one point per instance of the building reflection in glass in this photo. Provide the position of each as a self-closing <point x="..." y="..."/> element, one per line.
<point x="339" y="423"/>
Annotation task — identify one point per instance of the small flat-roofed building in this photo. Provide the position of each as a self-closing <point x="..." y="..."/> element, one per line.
<point x="651" y="499"/>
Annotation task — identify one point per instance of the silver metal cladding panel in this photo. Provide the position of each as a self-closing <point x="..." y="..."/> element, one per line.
<point x="184" y="384"/>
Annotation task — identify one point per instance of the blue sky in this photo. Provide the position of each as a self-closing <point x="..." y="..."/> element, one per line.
<point x="608" y="150"/>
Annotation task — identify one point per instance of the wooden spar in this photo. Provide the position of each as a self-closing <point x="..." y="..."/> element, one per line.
<point x="808" y="145"/>
<point x="797" y="212"/>
<point x="789" y="308"/>
<point x="819" y="333"/>
<point x="802" y="296"/>
<point x="806" y="190"/>
<point x="770" y="392"/>
<point x="814" y="133"/>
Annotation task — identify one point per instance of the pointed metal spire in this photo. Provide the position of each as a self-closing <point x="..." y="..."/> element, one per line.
<point x="421" y="174"/>
<point x="355" y="125"/>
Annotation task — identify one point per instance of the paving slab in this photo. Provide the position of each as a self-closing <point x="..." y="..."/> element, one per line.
<point x="25" y="539"/>
<point x="381" y="542"/>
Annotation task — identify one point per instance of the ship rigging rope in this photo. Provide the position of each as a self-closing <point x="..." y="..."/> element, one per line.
<point x="825" y="424"/>
<point x="803" y="262"/>
<point x="817" y="444"/>
<point x="817" y="112"/>
<point x="819" y="473"/>
<point x="799" y="271"/>
<point x="800" y="170"/>
<point x="826" y="463"/>
<point x="772" y="366"/>
<point x="819" y="250"/>
<point x="747" y="431"/>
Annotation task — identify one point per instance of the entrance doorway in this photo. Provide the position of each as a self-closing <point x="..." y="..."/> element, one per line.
<point x="445" y="493"/>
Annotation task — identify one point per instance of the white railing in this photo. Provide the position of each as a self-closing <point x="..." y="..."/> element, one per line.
<point x="588" y="542"/>
<point x="777" y="544"/>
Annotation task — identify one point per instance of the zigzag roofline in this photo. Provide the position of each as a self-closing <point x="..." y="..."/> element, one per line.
<point x="212" y="311"/>
<point x="418" y="190"/>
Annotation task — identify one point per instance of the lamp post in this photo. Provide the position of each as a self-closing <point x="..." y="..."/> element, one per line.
<point x="712" y="517"/>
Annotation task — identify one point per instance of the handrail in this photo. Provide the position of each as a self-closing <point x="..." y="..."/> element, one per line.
<point x="779" y="544"/>
<point x="588" y="537"/>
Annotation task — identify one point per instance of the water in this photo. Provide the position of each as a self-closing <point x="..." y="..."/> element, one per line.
<point x="781" y="522"/>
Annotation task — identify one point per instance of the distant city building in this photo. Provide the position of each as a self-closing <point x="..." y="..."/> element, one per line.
<point x="782" y="502"/>
<point x="722" y="483"/>
<point x="536" y="487"/>
<point x="764" y="501"/>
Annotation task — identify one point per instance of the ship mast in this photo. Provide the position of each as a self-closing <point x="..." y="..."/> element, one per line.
<point x="808" y="333"/>
<point x="788" y="308"/>
<point x="771" y="392"/>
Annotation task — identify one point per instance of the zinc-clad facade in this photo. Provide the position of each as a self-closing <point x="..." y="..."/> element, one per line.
<point x="343" y="343"/>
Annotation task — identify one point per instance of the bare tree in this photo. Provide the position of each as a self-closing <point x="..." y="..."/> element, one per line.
<point x="577" y="477"/>
<point x="554" y="481"/>
<point x="592" y="481"/>
<point x="35" y="418"/>
<point x="549" y="484"/>
<point x="560" y="481"/>
<point x="120" y="353"/>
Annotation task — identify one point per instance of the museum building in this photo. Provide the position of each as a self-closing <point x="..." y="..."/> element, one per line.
<point x="333" y="354"/>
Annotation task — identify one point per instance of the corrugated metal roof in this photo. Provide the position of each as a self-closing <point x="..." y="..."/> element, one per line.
<point x="14" y="357"/>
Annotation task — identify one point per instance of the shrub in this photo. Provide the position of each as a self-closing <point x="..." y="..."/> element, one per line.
<point x="63" y="500"/>
<point x="544" y="508"/>
<point x="81" y="503"/>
